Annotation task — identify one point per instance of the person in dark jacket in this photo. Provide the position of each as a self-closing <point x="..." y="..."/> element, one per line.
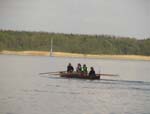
<point x="92" y="72"/>
<point x="70" y="68"/>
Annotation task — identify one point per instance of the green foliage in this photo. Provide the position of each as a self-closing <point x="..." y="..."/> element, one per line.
<point x="74" y="43"/>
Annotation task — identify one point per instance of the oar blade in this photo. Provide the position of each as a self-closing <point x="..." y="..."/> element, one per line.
<point x="109" y="74"/>
<point x="57" y="72"/>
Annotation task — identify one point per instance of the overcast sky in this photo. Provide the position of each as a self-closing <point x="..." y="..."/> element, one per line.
<point x="113" y="17"/>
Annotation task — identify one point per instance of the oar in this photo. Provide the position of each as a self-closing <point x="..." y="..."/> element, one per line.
<point x="108" y="74"/>
<point x="56" y="74"/>
<point x="51" y="72"/>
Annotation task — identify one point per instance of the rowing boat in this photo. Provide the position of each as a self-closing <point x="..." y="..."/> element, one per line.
<point x="79" y="75"/>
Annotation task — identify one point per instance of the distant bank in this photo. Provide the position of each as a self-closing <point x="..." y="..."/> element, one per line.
<point x="73" y="43"/>
<point x="63" y="54"/>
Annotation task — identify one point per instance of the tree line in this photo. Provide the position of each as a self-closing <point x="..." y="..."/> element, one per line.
<point x="74" y="43"/>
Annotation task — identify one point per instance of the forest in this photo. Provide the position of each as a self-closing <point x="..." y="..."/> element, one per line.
<point x="74" y="43"/>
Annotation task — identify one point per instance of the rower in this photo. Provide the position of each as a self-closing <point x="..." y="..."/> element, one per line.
<point x="70" y="68"/>
<point x="92" y="72"/>
<point x="79" y="68"/>
<point x="84" y="68"/>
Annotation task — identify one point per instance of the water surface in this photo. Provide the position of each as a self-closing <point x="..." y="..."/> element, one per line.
<point x="24" y="91"/>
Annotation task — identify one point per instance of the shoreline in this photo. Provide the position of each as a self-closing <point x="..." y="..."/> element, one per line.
<point x="76" y="55"/>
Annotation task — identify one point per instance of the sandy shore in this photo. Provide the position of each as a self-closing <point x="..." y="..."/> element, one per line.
<point x="63" y="54"/>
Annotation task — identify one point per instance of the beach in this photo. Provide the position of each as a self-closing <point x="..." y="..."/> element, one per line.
<point x="76" y="55"/>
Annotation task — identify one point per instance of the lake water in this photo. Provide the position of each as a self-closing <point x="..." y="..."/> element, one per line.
<point x="24" y="91"/>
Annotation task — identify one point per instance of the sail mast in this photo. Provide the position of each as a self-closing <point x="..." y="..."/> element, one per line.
<point x="51" y="51"/>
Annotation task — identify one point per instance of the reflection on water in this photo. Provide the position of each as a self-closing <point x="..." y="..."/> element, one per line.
<point x="24" y="91"/>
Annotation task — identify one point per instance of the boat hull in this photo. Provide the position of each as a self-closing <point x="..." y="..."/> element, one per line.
<point x="79" y="76"/>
